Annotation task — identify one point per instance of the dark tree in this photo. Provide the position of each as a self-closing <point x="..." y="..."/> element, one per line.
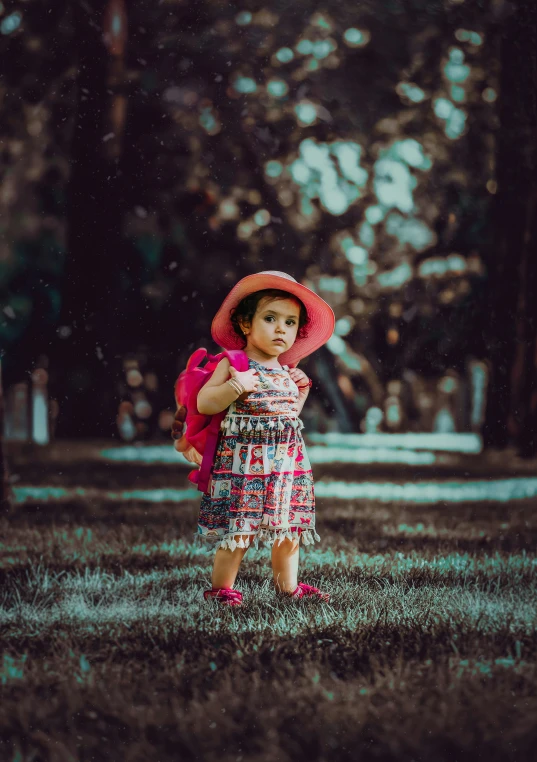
<point x="5" y="497"/>
<point x="88" y="342"/>
<point x="512" y="401"/>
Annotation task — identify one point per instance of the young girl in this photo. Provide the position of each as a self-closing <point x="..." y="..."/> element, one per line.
<point x="261" y="486"/>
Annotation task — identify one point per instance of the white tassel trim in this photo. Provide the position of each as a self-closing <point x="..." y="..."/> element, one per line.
<point x="235" y="423"/>
<point x="267" y="536"/>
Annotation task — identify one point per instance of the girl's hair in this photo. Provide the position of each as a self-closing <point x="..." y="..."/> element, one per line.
<point x="247" y="307"/>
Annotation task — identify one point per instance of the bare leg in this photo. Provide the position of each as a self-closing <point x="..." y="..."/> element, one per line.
<point x="226" y="565"/>
<point x="285" y="565"/>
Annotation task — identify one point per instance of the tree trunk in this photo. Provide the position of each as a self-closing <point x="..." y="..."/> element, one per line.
<point x="523" y="410"/>
<point x="512" y="404"/>
<point x="88" y="341"/>
<point x="5" y="492"/>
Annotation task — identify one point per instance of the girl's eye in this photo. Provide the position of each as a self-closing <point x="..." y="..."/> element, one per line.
<point x="289" y="322"/>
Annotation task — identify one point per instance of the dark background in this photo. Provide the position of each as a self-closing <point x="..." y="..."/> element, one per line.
<point x="137" y="189"/>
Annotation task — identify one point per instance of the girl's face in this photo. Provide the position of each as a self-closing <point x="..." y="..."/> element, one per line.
<point x="274" y="319"/>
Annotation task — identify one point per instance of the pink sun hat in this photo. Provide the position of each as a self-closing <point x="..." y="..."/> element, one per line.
<point x="321" y="316"/>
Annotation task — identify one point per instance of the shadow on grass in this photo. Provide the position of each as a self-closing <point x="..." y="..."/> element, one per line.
<point x="346" y="653"/>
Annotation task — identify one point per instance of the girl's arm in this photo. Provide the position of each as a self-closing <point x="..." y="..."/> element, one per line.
<point x="216" y="395"/>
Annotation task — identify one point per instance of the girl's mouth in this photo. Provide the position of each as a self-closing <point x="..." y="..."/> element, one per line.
<point x="280" y="340"/>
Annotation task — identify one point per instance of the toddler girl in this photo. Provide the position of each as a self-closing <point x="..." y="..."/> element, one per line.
<point x="261" y="486"/>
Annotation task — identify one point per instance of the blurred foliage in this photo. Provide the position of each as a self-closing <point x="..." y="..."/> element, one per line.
<point x="352" y="146"/>
<point x="36" y="105"/>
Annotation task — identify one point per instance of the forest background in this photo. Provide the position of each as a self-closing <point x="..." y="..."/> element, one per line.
<point x="153" y="153"/>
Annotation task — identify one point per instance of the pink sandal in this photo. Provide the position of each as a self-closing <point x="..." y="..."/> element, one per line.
<point x="307" y="591"/>
<point x="224" y="595"/>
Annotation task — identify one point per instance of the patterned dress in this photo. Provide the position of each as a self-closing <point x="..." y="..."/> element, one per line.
<point x="261" y="482"/>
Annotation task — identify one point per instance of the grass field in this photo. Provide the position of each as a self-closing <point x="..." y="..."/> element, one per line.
<point x="427" y="651"/>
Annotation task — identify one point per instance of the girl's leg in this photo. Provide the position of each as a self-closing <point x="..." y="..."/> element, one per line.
<point x="226" y="565"/>
<point x="285" y="565"/>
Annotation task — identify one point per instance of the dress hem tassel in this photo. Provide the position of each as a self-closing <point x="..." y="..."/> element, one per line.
<point x="267" y="536"/>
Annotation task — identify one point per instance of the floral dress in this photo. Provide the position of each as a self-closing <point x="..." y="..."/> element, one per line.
<point x="261" y="483"/>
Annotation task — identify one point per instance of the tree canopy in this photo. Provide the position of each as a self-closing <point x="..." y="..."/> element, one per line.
<point x="350" y="145"/>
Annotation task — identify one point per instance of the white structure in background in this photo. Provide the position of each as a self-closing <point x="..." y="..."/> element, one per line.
<point x="40" y="427"/>
<point x="373" y="420"/>
<point x="479" y="378"/>
<point x="26" y="413"/>
<point x="16" y="418"/>
<point x="443" y="422"/>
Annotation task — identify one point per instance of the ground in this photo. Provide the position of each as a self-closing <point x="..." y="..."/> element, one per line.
<point x="427" y="650"/>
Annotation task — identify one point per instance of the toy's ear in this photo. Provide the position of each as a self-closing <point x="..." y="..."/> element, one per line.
<point x="237" y="358"/>
<point x="196" y="357"/>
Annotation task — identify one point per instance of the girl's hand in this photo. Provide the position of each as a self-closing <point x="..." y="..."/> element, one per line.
<point x="300" y="379"/>
<point x="248" y="378"/>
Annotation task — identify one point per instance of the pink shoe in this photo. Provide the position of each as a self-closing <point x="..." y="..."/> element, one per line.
<point x="307" y="591"/>
<point x="224" y="595"/>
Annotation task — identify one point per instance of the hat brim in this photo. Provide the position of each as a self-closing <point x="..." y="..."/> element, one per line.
<point x="321" y="316"/>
